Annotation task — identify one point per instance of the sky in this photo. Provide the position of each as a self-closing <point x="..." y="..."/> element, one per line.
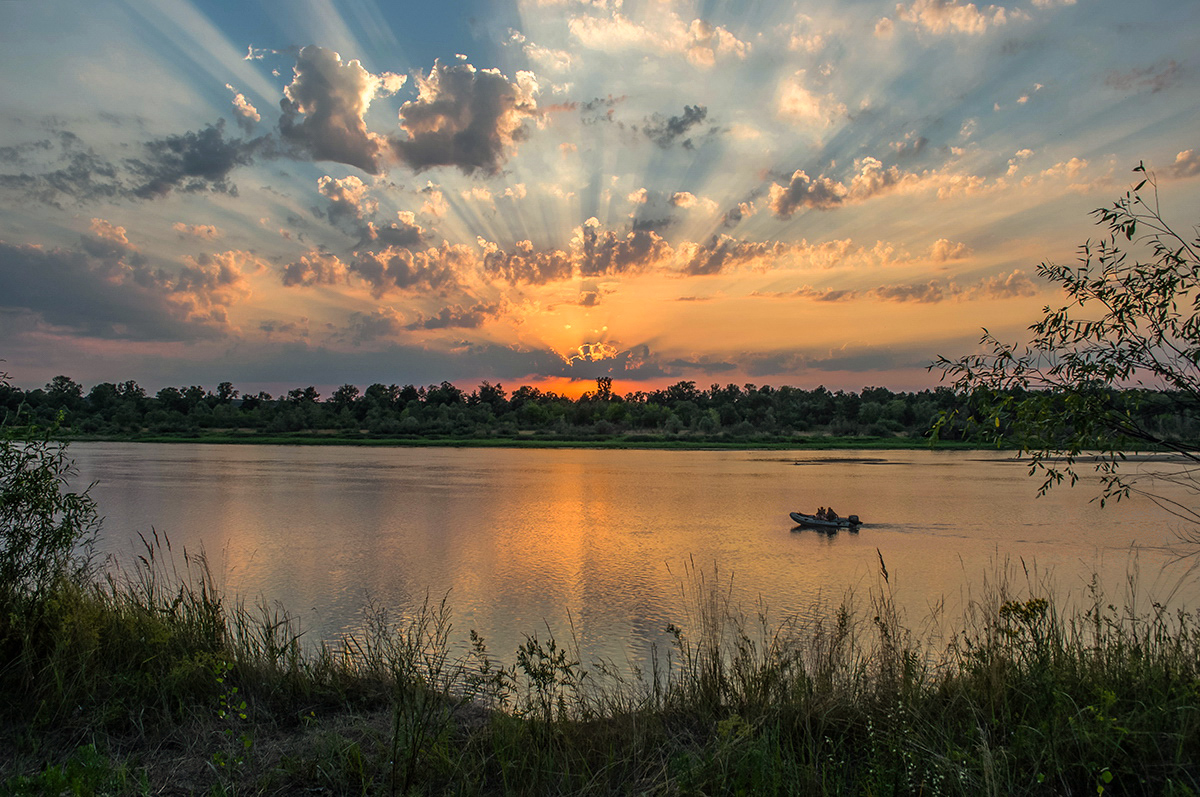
<point x="317" y="192"/>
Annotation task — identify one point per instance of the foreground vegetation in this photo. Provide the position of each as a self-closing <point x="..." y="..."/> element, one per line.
<point x="146" y="679"/>
<point x="151" y="681"/>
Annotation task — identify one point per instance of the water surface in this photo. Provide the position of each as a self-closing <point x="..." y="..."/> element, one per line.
<point x="600" y="539"/>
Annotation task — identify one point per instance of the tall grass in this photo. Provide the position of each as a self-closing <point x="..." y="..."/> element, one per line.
<point x="147" y="679"/>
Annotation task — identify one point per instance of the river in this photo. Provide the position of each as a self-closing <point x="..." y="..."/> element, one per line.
<point x="602" y="541"/>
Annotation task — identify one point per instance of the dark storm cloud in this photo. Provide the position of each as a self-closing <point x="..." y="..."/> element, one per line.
<point x="665" y="132"/>
<point x="464" y="117"/>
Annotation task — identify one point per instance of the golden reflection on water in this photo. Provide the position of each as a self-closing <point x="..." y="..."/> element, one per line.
<point x="600" y="540"/>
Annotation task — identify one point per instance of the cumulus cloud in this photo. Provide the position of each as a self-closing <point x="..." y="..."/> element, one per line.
<point x="332" y="98"/>
<point x="397" y="268"/>
<point x="944" y="250"/>
<point x="316" y="267"/>
<point x="526" y="265"/>
<point x="869" y="179"/>
<point x="1187" y="164"/>
<point x="606" y="252"/>
<point x="208" y="285"/>
<point x="723" y="253"/>
<point x="464" y="117"/>
<point x="803" y="191"/>
<point x="457" y="317"/>
<point x="689" y="201"/>
<point x="403" y="232"/>
<point x="950" y="16"/>
<point x="349" y="201"/>
<point x="244" y="113"/>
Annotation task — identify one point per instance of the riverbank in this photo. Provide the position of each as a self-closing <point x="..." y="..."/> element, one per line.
<point x="150" y="681"/>
<point x="648" y="441"/>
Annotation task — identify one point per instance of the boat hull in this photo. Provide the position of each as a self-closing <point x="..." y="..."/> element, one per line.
<point x="814" y="522"/>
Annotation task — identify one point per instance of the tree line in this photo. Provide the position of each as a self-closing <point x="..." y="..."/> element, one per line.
<point x="681" y="411"/>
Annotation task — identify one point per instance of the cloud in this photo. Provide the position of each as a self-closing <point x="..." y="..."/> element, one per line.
<point x="689" y="201"/>
<point x="316" y="267"/>
<point x="203" y="232"/>
<point x="1155" y="78"/>
<point x="869" y="179"/>
<point x="404" y="232"/>
<point x="605" y="252"/>
<point x="464" y="117"/>
<point x="700" y="42"/>
<point x="379" y="323"/>
<point x="333" y="97"/>
<point x="107" y="240"/>
<point x="803" y="191"/>
<point x="107" y="290"/>
<point x="457" y="317"/>
<point x="664" y="133"/>
<point x="525" y="265"/>
<point x="191" y="162"/>
<point x="244" y="113"/>
<point x="1016" y="284"/>
<point x="944" y="250"/>
<point x="949" y="16"/>
<point x="208" y="285"/>
<point x="396" y="268"/>
<point x="350" y="202"/>
<point x="798" y="103"/>
<point x="1187" y="164"/>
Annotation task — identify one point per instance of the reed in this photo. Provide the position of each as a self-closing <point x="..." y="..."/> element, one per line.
<point x="148" y="679"/>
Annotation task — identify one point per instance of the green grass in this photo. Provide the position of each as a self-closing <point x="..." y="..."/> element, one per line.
<point x="149" y="680"/>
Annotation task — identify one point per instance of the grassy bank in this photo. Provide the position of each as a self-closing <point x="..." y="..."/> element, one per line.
<point x="148" y="680"/>
<point x="649" y="442"/>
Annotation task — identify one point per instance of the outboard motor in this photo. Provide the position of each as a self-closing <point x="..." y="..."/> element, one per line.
<point x="854" y="520"/>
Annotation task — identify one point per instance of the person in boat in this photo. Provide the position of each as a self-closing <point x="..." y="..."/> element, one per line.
<point x="820" y="513"/>
<point x="830" y="514"/>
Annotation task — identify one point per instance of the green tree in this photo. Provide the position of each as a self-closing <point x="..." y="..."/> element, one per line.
<point x="1129" y="329"/>
<point x="42" y="524"/>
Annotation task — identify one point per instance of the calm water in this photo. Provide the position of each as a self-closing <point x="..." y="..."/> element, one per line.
<point x="523" y="540"/>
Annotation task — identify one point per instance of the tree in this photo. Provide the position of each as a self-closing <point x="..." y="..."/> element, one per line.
<point x="1129" y="332"/>
<point x="42" y="524"/>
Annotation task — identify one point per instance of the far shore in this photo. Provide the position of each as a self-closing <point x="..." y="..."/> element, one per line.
<point x="648" y="442"/>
